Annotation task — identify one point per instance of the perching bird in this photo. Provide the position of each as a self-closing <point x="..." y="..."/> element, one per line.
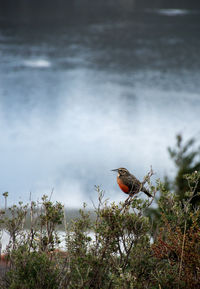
<point x="129" y="184"/>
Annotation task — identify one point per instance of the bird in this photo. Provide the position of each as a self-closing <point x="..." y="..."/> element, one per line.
<point x="129" y="184"/>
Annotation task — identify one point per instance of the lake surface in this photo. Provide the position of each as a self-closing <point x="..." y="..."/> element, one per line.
<point x="83" y="97"/>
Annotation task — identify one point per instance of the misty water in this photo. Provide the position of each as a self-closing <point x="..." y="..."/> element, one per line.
<point x="82" y="98"/>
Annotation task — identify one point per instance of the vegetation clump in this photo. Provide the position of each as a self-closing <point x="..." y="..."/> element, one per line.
<point x="126" y="245"/>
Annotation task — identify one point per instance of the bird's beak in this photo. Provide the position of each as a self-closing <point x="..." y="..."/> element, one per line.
<point x="115" y="170"/>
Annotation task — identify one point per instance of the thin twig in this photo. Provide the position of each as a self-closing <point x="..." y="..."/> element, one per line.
<point x="182" y="251"/>
<point x="51" y="194"/>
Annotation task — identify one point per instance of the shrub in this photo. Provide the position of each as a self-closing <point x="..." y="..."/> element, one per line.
<point x="31" y="270"/>
<point x="114" y="250"/>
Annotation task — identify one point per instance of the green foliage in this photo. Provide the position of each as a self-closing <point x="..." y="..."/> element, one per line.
<point x="29" y="261"/>
<point x="187" y="160"/>
<point x="32" y="270"/>
<point x="119" y="255"/>
<point x="50" y="217"/>
<point x="177" y="246"/>
<point x="183" y="187"/>
<point x="114" y="250"/>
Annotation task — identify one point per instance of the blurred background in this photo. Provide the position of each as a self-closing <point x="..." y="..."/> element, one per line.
<point x="88" y="86"/>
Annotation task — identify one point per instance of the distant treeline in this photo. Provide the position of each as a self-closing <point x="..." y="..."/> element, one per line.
<point x="74" y="10"/>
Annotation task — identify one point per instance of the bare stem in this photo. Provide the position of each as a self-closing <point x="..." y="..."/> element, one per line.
<point x="182" y="252"/>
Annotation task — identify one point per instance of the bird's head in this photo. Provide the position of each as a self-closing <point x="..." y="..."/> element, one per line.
<point x="121" y="171"/>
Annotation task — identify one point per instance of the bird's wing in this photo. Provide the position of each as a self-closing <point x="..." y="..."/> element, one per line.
<point x="133" y="183"/>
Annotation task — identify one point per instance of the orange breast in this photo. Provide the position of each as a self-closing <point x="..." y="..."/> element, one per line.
<point x="123" y="187"/>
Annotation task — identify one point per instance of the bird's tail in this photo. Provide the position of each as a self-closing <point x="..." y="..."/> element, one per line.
<point x="146" y="192"/>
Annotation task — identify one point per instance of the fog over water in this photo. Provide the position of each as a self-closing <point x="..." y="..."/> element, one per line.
<point x="80" y="99"/>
